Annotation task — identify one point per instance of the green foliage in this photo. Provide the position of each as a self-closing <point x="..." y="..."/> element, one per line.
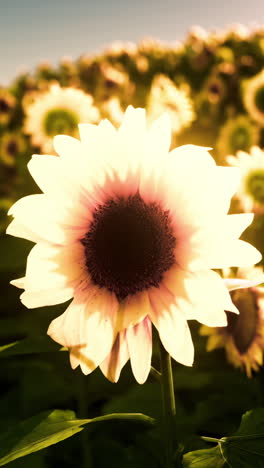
<point x="38" y="433"/>
<point x="208" y="458"/>
<point x="49" y="428"/>
<point x="245" y="448"/>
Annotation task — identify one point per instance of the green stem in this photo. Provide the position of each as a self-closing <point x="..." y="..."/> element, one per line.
<point x="210" y="439"/>
<point x="169" y="408"/>
<point x="155" y="373"/>
<point x="82" y="403"/>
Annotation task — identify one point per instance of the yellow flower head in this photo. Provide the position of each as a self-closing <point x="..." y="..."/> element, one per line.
<point x="243" y="337"/>
<point x="126" y="230"/>
<point x="7" y="104"/>
<point x="253" y="97"/>
<point x="165" y="96"/>
<point x="250" y="192"/>
<point x="11" y="145"/>
<point x="58" y="110"/>
<point x="239" y="133"/>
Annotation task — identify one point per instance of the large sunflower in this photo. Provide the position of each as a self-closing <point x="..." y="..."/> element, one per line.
<point x="131" y="233"/>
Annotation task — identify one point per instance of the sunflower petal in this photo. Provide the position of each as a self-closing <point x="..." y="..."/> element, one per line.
<point x="117" y="358"/>
<point x="139" y="340"/>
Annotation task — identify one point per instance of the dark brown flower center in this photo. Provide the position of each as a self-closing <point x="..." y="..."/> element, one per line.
<point x="12" y="147"/>
<point x="4" y="106"/>
<point x="129" y="245"/>
<point x="243" y="327"/>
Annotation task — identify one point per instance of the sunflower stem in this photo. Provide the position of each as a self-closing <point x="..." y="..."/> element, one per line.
<point x="169" y="408"/>
<point x="82" y="403"/>
<point x="155" y="373"/>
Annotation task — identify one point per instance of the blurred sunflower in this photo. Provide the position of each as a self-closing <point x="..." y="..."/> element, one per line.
<point x="239" y="133"/>
<point x="215" y="88"/>
<point x="7" y="104"/>
<point x="253" y="97"/>
<point x="164" y="96"/>
<point x="113" y="81"/>
<point x="111" y="109"/>
<point x="251" y="189"/>
<point x="58" y="110"/>
<point x="131" y="234"/>
<point x="11" y="145"/>
<point x="243" y="337"/>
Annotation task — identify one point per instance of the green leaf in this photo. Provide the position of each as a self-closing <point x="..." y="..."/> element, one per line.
<point x="207" y="458"/>
<point x="41" y="344"/>
<point x="245" y="449"/>
<point x="51" y="427"/>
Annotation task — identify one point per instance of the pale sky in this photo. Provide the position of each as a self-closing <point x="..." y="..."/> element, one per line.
<point x="32" y="30"/>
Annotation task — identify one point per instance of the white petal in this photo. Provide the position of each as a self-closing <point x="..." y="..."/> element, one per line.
<point x="42" y="298"/>
<point x="189" y="157"/>
<point x="133" y="310"/>
<point x="236" y="283"/>
<point x="66" y="328"/>
<point x="209" y="298"/>
<point x="196" y="187"/>
<point x="19" y="283"/>
<point x="139" y="339"/>
<point x="118" y="357"/>
<point x="19" y="230"/>
<point x="133" y="124"/>
<point x="67" y="146"/>
<point x="43" y="169"/>
<point x="235" y="224"/>
<point x="90" y="133"/>
<point x="50" y="266"/>
<point x="173" y="329"/>
<point x="242" y="254"/>
<point x="159" y="134"/>
<point x="98" y="150"/>
<point x="42" y="217"/>
<point x="98" y="328"/>
<point x="88" y="327"/>
<point x="217" y="246"/>
<point x="54" y="176"/>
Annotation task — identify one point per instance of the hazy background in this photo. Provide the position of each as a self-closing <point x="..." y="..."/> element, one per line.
<point x="34" y="30"/>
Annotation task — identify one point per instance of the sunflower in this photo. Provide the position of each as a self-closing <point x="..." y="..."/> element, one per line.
<point x="253" y="97"/>
<point x="238" y="133"/>
<point x="243" y="337"/>
<point x="131" y="234"/>
<point x="165" y="96"/>
<point x="7" y="104"/>
<point x="58" y="110"/>
<point x="113" y="82"/>
<point x="11" y="145"/>
<point x="250" y="192"/>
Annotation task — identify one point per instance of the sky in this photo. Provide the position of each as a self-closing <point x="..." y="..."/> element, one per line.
<point x="32" y="31"/>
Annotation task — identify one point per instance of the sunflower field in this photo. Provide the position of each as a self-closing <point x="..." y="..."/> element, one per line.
<point x="131" y="244"/>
